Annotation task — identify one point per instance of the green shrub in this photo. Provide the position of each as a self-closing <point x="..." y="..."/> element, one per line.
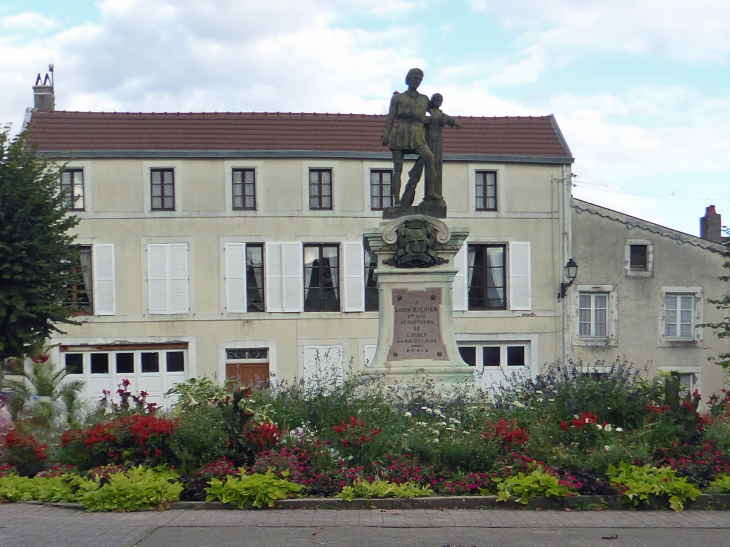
<point x="258" y="488"/>
<point x="384" y="489"/>
<point x="139" y="489"/>
<point x="639" y="483"/>
<point x="197" y="392"/>
<point x="16" y="488"/>
<point x="200" y="438"/>
<point x="536" y="483"/>
<point x="721" y="485"/>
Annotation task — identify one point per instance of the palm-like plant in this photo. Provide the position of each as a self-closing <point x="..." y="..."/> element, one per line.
<point x="43" y="380"/>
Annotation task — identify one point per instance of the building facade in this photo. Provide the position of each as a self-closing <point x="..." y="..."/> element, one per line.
<point x="231" y="245"/>
<point x="641" y="294"/>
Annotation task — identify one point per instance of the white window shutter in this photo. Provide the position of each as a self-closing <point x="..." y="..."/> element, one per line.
<point x="292" y="269"/>
<point x="460" y="290"/>
<point x="157" y="278"/>
<point x="354" y="277"/>
<point x="274" y="302"/>
<point x="178" y="272"/>
<point x="104" y="290"/>
<point x="235" y="277"/>
<point x="520" y="283"/>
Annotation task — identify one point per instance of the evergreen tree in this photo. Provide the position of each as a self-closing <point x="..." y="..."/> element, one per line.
<point x="722" y="329"/>
<point x="37" y="257"/>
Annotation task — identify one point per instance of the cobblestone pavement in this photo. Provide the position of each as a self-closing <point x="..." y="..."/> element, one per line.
<point x="29" y="525"/>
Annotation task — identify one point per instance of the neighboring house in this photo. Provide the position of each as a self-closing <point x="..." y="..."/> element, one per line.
<point x="641" y="294"/>
<point x="231" y="244"/>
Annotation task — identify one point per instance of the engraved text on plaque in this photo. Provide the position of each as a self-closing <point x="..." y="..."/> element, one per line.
<point x="416" y="328"/>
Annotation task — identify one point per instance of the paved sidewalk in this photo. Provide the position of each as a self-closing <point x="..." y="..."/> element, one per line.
<point x="33" y="525"/>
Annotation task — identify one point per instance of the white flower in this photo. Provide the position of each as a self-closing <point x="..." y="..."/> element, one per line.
<point x="619" y="429"/>
<point x="608" y="427"/>
<point x="407" y="414"/>
<point x="451" y="428"/>
<point x="441" y="424"/>
<point x="435" y="431"/>
<point x="437" y="412"/>
<point x="454" y="421"/>
<point x="539" y="392"/>
<point x="435" y="441"/>
<point x="599" y="427"/>
<point x="519" y="405"/>
<point x="607" y="448"/>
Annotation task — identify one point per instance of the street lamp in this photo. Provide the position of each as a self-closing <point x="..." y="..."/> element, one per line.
<point x="571" y="271"/>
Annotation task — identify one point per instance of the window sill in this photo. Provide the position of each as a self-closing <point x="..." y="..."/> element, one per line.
<point x="595" y="342"/>
<point x="639" y="273"/>
<point x="678" y="342"/>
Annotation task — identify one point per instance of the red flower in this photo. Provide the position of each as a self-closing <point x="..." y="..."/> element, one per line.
<point x="564" y="425"/>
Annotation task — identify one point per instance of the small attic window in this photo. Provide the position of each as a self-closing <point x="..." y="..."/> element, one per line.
<point x="638" y="257"/>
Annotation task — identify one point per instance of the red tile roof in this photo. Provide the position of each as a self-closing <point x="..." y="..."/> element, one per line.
<point x="62" y="131"/>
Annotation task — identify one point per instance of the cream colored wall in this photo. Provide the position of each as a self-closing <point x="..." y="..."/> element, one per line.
<point x="598" y="249"/>
<point x="117" y="215"/>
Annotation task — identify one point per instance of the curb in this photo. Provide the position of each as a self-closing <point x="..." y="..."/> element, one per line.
<point x="703" y="502"/>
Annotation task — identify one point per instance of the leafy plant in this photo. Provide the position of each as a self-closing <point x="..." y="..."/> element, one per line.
<point x="721" y="328"/>
<point x="197" y="392"/>
<point x="639" y="483"/>
<point x="538" y="482"/>
<point x="384" y="489"/>
<point x="260" y="489"/>
<point x="23" y="452"/>
<point x="200" y="437"/>
<point x="139" y="489"/>
<point x="15" y="488"/>
<point x="721" y="485"/>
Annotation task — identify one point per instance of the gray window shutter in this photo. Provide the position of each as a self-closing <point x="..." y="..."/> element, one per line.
<point x="520" y="283"/>
<point x="354" y="277"/>
<point x="104" y="291"/>
<point x="157" y="278"/>
<point x="274" y="299"/>
<point x="460" y="291"/>
<point x="178" y="277"/>
<point x="235" y="254"/>
<point x="292" y="269"/>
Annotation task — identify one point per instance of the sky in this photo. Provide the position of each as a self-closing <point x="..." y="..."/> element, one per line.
<point x="639" y="88"/>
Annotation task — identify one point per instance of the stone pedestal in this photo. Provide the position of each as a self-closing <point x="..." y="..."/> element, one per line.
<point x="416" y="333"/>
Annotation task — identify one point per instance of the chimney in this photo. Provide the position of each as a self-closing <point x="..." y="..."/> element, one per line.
<point x="43" y="94"/>
<point x="711" y="226"/>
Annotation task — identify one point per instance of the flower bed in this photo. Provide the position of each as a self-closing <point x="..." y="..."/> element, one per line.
<point x="558" y="436"/>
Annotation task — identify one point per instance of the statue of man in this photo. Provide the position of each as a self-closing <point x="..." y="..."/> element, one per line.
<point x="408" y="114"/>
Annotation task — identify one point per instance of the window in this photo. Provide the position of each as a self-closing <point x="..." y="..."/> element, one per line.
<point x="381" y="195"/>
<point x="486" y="191"/>
<point x="486" y="277"/>
<point x="638" y="257"/>
<point x="72" y="185"/>
<point x="372" y="300"/>
<point x="493" y="356"/>
<point x="163" y="189"/>
<point x="74" y="363"/>
<point x="167" y="278"/>
<point x="81" y="297"/>
<point x="244" y="277"/>
<point x="99" y="363"/>
<point x="679" y="316"/>
<point x="320" y="189"/>
<point x="321" y="278"/>
<point x="593" y="315"/>
<point x="244" y="189"/>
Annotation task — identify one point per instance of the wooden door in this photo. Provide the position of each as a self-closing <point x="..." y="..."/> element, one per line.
<point x="248" y="374"/>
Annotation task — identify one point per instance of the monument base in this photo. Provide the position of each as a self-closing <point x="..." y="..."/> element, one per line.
<point x="416" y="329"/>
<point x="431" y="208"/>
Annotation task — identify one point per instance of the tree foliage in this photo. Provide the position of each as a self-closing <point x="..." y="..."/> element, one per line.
<point x="37" y="258"/>
<point x="722" y="329"/>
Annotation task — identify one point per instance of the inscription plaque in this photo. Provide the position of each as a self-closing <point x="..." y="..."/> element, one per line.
<point x="416" y="328"/>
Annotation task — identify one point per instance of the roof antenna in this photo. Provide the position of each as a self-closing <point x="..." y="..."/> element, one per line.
<point x="50" y="69"/>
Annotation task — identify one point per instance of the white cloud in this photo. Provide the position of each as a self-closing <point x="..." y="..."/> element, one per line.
<point x="27" y="21"/>
<point x="557" y="31"/>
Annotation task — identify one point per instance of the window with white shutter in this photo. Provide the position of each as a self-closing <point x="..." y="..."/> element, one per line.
<point x="105" y="302"/>
<point x="244" y="277"/>
<point x="519" y="276"/>
<point x="167" y="278"/>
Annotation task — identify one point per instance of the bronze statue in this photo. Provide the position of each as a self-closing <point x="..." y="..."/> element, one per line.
<point x="408" y="114"/>
<point x="416" y="133"/>
<point x="435" y="140"/>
